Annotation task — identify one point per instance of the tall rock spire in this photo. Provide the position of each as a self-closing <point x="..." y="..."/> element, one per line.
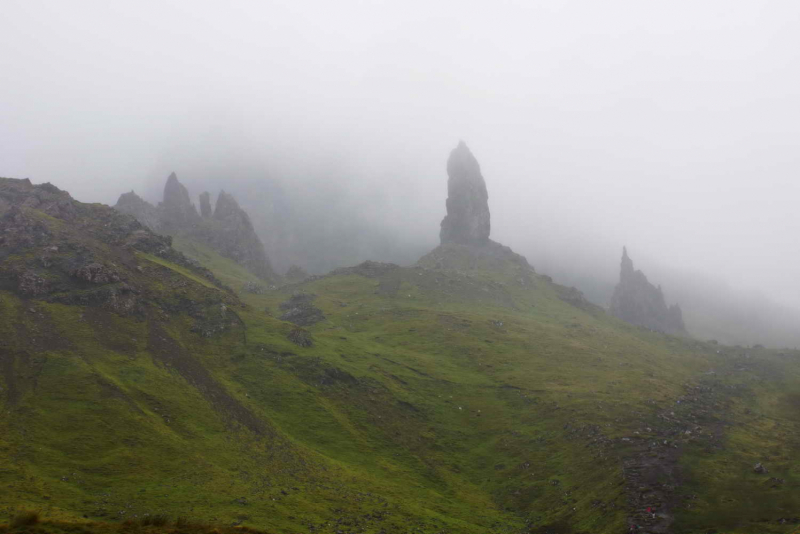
<point x="467" y="220"/>
<point x="179" y="212"/>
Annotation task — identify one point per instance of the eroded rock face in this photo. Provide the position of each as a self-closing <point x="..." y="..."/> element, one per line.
<point x="143" y="211"/>
<point x="227" y="228"/>
<point x="467" y="220"/>
<point x="78" y="254"/>
<point x="639" y="302"/>
<point x="178" y="210"/>
<point x="96" y="273"/>
<point x="234" y="237"/>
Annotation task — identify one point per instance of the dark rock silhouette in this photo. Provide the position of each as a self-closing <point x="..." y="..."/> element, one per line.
<point x="233" y="236"/>
<point x="467" y="220"/>
<point x="178" y="210"/>
<point x="639" y="302"/>
<point x="205" y="204"/>
<point x="465" y="244"/>
<point x="228" y="229"/>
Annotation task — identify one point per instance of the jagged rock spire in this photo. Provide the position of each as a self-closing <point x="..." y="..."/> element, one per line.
<point x="178" y="209"/>
<point x="467" y="220"/>
<point x="639" y="302"/>
<point x="626" y="266"/>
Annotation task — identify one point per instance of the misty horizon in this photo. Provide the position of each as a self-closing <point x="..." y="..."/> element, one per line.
<point x="595" y="127"/>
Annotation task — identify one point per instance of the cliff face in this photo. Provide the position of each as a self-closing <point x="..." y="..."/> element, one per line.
<point x="467" y="221"/>
<point x="639" y="302"/>
<point x="233" y="236"/>
<point x="227" y="229"/>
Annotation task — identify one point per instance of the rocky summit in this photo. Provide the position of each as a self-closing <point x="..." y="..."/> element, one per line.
<point x="178" y="211"/>
<point x="227" y="229"/>
<point x="467" y="220"/>
<point x="639" y="302"/>
<point x="231" y="233"/>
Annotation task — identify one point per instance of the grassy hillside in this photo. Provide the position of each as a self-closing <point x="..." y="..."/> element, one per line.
<point x="465" y="394"/>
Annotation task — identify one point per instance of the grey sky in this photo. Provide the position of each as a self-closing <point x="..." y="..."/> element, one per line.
<point x="670" y="126"/>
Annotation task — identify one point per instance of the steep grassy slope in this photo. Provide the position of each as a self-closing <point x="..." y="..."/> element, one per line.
<point x="466" y="394"/>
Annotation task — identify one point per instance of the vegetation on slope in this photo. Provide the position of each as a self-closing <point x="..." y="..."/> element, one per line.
<point x="465" y="394"/>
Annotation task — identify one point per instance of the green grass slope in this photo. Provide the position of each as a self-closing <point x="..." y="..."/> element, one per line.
<point x="465" y="394"/>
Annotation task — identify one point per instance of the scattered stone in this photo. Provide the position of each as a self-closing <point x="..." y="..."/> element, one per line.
<point x="96" y="273"/>
<point x="300" y="311"/>
<point x="253" y="288"/>
<point x="760" y="469"/>
<point x="31" y="284"/>
<point x="300" y="337"/>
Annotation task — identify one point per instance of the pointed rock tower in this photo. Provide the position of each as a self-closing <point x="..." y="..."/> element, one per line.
<point x="639" y="302"/>
<point x="178" y="211"/>
<point x="467" y="220"/>
<point x="464" y="232"/>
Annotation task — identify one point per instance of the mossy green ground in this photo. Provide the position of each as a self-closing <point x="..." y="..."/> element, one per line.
<point x="456" y="402"/>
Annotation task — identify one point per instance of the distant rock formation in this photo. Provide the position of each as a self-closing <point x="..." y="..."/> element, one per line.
<point x="143" y="211"/>
<point x="178" y="211"/>
<point x="467" y="220"/>
<point x="639" y="302"/>
<point x="227" y="229"/>
<point x="465" y="244"/>
<point x="233" y="236"/>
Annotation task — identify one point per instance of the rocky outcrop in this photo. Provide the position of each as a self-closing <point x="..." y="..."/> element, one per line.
<point x="143" y="211"/>
<point x="233" y="236"/>
<point x="57" y="249"/>
<point x="300" y="310"/>
<point x="467" y="220"/>
<point x="178" y="212"/>
<point x="227" y="229"/>
<point x="639" y="302"/>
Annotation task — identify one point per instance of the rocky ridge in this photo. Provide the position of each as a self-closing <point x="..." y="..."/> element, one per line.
<point x="56" y="249"/>
<point x="227" y="228"/>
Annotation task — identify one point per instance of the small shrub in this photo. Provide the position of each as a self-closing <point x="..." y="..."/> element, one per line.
<point x="25" y="518"/>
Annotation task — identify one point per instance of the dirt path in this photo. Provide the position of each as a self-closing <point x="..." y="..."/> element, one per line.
<point x="651" y="470"/>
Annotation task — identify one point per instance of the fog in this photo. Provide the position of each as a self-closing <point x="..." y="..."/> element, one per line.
<point x="671" y="127"/>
